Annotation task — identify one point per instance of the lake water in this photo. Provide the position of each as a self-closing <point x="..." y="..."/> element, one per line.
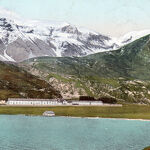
<point x="60" y="133"/>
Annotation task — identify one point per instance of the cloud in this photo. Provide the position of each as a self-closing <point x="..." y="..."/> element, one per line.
<point x="6" y="13"/>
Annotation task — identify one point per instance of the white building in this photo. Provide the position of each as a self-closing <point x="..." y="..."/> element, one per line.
<point x="49" y="113"/>
<point x="87" y="103"/>
<point x="55" y="102"/>
<point x="24" y="101"/>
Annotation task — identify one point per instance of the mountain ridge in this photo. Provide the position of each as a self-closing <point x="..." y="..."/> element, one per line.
<point x="25" y="39"/>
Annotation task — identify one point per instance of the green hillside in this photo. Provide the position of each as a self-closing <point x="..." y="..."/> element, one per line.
<point x="130" y="61"/>
<point x="123" y="74"/>
<point x="15" y="82"/>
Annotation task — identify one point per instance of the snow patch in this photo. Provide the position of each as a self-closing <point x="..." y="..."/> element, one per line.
<point x="8" y="58"/>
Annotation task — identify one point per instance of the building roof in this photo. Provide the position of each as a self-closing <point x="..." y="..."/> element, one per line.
<point x="87" y="101"/>
<point x="31" y="99"/>
<point x="48" y="112"/>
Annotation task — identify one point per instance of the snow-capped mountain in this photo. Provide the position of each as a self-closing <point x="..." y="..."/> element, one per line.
<point x="19" y="41"/>
<point x="23" y="39"/>
<point x="131" y="36"/>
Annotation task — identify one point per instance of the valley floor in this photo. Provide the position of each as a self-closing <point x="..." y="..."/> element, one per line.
<point x="126" y="111"/>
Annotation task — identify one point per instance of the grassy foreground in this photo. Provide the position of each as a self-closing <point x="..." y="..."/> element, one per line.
<point x="127" y="111"/>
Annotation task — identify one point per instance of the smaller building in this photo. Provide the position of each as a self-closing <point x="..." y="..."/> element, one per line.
<point x="87" y="103"/>
<point x="96" y="103"/>
<point x="49" y="114"/>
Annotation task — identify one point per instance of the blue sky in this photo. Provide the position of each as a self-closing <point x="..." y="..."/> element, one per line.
<point x="111" y="17"/>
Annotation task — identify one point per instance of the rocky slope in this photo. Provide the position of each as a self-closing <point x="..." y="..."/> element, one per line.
<point x="123" y="74"/>
<point x="15" y="82"/>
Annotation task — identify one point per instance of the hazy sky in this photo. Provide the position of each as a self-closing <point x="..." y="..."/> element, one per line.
<point x="111" y="17"/>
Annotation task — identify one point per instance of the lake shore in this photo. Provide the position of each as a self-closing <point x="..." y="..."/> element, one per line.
<point x="82" y="117"/>
<point x="133" y="112"/>
<point x="109" y="118"/>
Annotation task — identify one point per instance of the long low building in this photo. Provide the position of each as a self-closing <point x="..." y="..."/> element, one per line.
<point x="30" y="101"/>
<point x="41" y="102"/>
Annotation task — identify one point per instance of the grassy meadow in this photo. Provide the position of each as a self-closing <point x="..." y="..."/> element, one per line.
<point x="126" y="111"/>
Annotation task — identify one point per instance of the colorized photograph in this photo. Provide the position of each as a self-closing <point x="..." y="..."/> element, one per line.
<point x="74" y="74"/>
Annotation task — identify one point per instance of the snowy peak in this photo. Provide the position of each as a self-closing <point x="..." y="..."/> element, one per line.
<point x="4" y="24"/>
<point x="24" y="39"/>
<point x="130" y="37"/>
